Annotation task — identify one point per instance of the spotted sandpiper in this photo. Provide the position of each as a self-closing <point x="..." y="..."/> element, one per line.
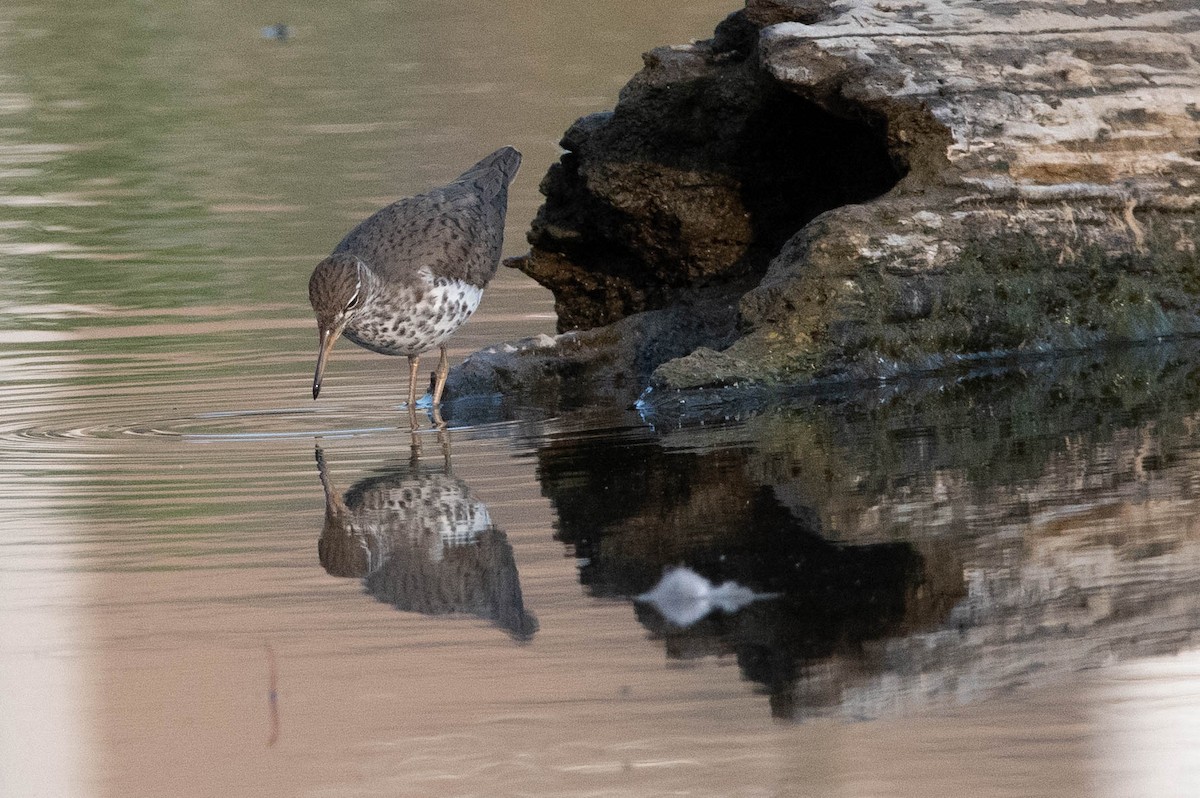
<point x="422" y="541"/>
<point x="403" y="280"/>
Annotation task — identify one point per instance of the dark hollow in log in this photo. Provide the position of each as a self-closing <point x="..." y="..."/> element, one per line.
<point x="694" y="182"/>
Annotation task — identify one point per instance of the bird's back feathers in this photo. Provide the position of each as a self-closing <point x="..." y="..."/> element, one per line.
<point x="454" y="231"/>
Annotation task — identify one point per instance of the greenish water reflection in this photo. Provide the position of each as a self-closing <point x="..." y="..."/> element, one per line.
<point x="167" y="156"/>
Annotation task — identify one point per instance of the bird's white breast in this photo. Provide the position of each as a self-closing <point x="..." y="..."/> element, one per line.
<point x="401" y="324"/>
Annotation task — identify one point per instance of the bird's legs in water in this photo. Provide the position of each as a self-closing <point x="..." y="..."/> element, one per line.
<point x="443" y="437"/>
<point x="439" y="386"/>
<point x="414" y="362"/>
<point x="443" y="369"/>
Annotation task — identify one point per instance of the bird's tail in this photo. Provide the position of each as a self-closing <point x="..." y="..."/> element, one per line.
<point x="493" y="174"/>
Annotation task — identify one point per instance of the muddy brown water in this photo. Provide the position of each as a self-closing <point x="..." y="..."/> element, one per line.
<point x="986" y="587"/>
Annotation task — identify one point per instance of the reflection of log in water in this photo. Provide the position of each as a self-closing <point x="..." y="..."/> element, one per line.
<point x="1053" y="512"/>
<point x="630" y="509"/>
<point x="422" y="542"/>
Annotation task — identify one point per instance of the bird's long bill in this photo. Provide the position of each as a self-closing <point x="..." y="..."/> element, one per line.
<point x="328" y="337"/>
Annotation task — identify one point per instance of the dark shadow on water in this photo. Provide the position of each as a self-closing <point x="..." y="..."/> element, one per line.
<point x="422" y="542"/>
<point x="630" y="509"/>
<point x="930" y="546"/>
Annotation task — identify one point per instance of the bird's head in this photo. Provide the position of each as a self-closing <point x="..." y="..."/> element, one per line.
<point x="337" y="290"/>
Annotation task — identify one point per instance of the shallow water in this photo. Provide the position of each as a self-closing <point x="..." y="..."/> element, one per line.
<point x="211" y="585"/>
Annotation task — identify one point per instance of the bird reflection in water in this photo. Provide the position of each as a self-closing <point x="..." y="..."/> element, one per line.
<point x="421" y="541"/>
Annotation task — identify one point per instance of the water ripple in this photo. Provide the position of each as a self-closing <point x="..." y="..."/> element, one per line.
<point x="205" y="428"/>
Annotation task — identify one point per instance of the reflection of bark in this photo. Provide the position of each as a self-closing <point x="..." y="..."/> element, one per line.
<point x="1068" y="494"/>
<point x="630" y="510"/>
<point x="1064" y="498"/>
<point x="422" y="542"/>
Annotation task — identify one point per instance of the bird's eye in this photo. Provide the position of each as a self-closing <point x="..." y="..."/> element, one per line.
<point x="353" y="303"/>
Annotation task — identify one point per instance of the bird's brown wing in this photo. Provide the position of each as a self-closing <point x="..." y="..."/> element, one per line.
<point x="454" y="231"/>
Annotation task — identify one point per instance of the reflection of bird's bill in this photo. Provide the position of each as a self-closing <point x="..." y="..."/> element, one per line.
<point x="326" y="346"/>
<point x="333" y="500"/>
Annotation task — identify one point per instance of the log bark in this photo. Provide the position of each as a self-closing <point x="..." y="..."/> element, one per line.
<point x="876" y="188"/>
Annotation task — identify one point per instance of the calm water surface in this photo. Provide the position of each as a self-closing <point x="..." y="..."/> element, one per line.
<point x="211" y="585"/>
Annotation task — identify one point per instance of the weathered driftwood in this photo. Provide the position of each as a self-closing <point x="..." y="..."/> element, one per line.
<point x="860" y="189"/>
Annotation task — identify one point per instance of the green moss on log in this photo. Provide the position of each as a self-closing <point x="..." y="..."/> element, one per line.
<point x="1014" y="294"/>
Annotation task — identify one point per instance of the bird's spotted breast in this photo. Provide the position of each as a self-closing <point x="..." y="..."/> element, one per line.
<point x="434" y="510"/>
<point x="402" y="324"/>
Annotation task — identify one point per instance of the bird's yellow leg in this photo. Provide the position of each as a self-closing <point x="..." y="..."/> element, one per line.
<point x="443" y="370"/>
<point x="414" y="363"/>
